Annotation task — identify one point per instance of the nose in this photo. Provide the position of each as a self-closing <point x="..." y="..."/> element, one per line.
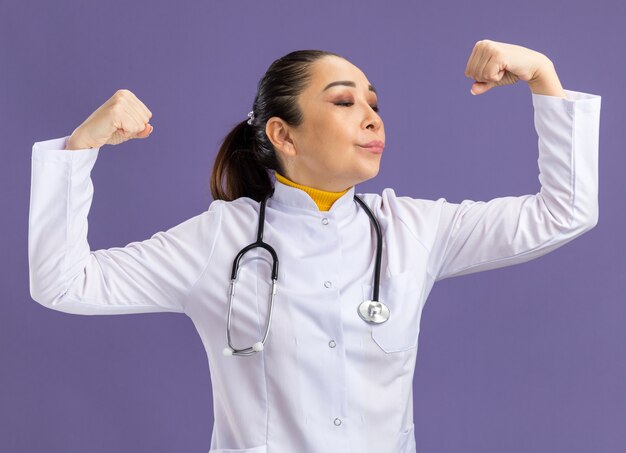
<point x="372" y="119"/>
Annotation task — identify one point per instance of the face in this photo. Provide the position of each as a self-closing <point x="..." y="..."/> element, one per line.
<point x="326" y="151"/>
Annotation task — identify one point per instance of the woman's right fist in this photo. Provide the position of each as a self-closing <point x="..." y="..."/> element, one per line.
<point x="119" y="119"/>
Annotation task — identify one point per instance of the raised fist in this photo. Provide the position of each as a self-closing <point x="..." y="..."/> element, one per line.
<point x="119" y="119"/>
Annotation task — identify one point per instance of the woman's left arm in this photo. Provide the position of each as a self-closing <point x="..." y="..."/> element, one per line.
<point x="473" y="236"/>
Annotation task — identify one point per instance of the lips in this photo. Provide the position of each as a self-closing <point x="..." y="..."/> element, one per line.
<point x="375" y="146"/>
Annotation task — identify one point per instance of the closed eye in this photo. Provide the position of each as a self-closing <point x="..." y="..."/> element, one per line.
<point x="374" y="107"/>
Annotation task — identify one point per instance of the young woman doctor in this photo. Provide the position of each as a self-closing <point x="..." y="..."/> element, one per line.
<point x="334" y="371"/>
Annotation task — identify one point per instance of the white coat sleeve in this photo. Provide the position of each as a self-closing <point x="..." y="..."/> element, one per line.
<point x="475" y="236"/>
<point x="154" y="275"/>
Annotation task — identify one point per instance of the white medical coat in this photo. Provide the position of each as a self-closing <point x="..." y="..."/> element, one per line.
<point x="327" y="382"/>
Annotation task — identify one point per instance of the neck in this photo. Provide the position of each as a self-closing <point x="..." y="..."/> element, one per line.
<point x="322" y="198"/>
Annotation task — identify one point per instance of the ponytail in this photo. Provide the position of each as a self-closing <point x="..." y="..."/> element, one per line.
<point x="239" y="170"/>
<point x="246" y="156"/>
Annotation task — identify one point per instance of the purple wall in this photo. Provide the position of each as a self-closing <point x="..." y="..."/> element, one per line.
<point x="528" y="358"/>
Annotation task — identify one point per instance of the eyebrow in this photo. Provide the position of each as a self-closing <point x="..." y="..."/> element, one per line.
<point x="349" y="84"/>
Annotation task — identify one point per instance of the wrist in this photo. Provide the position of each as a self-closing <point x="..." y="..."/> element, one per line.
<point x="74" y="142"/>
<point x="545" y="81"/>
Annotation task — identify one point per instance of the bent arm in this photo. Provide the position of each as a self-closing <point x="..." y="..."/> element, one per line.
<point x="153" y="275"/>
<point x="474" y="236"/>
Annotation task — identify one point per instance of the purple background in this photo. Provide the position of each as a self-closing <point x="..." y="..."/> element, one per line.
<point x="528" y="358"/>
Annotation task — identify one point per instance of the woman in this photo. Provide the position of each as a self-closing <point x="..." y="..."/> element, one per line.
<point x="335" y="371"/>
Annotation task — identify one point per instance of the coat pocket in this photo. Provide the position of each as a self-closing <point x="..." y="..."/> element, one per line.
<point x="401" y="294"/>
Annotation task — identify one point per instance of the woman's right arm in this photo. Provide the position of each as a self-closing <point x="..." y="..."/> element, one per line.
<point x="65" y="275"/>
<point x="153" y="275"/>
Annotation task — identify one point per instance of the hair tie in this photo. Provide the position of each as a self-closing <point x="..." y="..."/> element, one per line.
<point x="251" y="117"/>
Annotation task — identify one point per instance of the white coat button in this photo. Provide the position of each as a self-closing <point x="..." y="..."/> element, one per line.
<point x="332" y="343"/>
<point x="325" y="221"/>
<point x="337" y="421"/>
<point x="328" y="284"/>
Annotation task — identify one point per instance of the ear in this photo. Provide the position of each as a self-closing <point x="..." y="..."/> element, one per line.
<point x="280" y="134"/>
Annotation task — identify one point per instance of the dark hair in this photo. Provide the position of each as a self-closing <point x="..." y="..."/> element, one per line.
<point x="246" y="153"/>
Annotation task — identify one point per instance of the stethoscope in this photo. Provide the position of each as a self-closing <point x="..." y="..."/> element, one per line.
<point x="371" y="311"/>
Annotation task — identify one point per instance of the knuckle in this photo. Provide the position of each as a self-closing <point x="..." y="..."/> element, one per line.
<point x="117" y="110"/>
<point x="124" y="93"/>
<point x="118" y="105"/>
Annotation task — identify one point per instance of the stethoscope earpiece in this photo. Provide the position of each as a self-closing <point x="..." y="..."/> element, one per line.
<point x="258" y="346"/>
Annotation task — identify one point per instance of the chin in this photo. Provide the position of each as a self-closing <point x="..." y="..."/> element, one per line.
<point x="368" y="175"/>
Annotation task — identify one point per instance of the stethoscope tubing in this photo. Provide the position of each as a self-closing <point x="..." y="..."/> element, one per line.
<point x="379" y="251"/>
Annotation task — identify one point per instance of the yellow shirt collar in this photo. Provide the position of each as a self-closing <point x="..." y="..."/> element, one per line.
<point x="323" y="199"/>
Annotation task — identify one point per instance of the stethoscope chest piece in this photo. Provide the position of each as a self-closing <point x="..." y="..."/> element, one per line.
<point x="373" y="311"/>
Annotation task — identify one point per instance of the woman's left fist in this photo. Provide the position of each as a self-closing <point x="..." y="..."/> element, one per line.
<point x="495" y="63"/>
